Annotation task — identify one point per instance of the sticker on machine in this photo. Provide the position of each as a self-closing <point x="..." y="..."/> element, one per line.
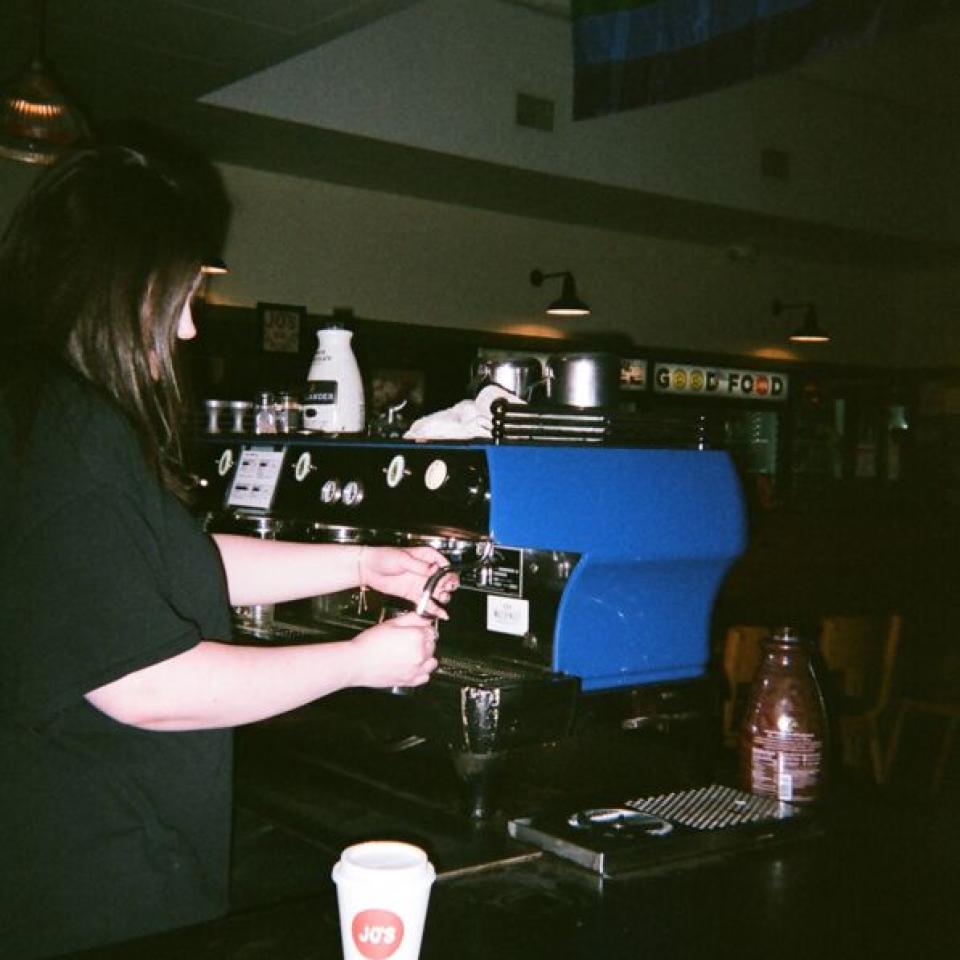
<point x="508" y="615"/>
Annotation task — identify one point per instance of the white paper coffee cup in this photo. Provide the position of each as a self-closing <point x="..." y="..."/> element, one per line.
<point x="382" y="891"/>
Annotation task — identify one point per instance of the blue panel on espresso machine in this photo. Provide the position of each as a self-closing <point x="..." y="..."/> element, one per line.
<point x="657" y="530"/>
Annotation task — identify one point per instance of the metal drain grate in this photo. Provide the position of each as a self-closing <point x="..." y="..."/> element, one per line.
<point x="665" y="830"/>
<point x="713" y="807"/>
<point x="466" y="670"/>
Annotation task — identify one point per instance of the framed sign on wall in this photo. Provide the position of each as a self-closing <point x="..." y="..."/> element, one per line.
<point x="280" y="325"/>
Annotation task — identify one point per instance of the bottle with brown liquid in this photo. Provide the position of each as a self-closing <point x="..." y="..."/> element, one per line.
<point x="783" y="741"/>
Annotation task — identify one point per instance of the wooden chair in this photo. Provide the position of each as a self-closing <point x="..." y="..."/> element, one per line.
<point x="945" y="707"/>
<point x="860" y="654"/>
<point x="741" y="657"/>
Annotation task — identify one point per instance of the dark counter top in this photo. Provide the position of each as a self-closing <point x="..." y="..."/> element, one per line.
<point x="879" y="880"/>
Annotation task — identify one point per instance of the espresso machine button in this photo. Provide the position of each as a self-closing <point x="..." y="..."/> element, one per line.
<point x="352" y="493"/>
<point x="330" y="491"/>
<point x="436" y="474"/>
<point x="303" y="466"/>
<point x="396" y="471"/>
<point x="225" y="462"/>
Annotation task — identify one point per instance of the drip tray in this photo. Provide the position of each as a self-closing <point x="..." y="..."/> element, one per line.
<point x="664" y="830"/>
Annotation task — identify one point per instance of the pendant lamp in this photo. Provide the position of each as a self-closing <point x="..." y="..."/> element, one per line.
<point x="38" y="121"/>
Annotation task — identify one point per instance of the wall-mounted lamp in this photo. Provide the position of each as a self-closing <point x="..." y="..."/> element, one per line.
<point x="38" y="122"/>
<point x="214" y="266"/>
<point x="568" y="304"/>
<point x="809" y="330"/>
<point x="210" y="267"/>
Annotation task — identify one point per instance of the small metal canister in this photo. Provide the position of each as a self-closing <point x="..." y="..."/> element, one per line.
<point x="239" y="409"/>
<point x="213" y="410"/>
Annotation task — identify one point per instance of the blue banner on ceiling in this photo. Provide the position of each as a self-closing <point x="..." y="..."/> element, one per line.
<point x="635" y="53"/>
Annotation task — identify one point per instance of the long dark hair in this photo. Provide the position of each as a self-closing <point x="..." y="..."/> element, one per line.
<point x="96" y="267"/>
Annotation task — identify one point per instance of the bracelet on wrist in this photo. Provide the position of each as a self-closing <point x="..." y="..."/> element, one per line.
<point x="360" y="578"/>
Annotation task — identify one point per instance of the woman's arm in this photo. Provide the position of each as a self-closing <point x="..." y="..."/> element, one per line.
<point x="221" y="685"/>
<point x="274" y="571"/>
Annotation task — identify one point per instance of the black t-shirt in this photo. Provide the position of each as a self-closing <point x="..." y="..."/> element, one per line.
<point x="107" y="831"/>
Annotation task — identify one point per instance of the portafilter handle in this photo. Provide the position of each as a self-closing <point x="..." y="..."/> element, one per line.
<point x="429" y="586"/>
<point x="485" y="555"/>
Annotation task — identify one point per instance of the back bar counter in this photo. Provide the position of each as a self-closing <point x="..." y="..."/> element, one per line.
<point x="878" y="880"/>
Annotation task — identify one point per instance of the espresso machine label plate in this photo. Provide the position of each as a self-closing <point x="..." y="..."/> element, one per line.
<point x="255" y="482"/>
<point x="503" y="574"/>
<point x="508" y="615"/>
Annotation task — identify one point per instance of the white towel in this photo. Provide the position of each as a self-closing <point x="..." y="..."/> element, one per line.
<point x="466" y="420"/>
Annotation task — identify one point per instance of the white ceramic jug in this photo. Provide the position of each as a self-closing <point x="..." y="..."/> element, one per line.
<point x="333" y="402"/>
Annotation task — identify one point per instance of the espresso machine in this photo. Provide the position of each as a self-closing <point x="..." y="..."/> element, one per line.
<point x="577" y="643"/>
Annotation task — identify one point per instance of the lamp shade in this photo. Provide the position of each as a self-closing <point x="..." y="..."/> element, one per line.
<point x="38" y="122"/>
<point x="568" y="304"/>
<point x="809" y="330"/>
<point x="214" y="265"/>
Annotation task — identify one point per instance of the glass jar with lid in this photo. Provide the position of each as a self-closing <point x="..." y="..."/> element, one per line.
<point x="287" y="412"/>
<point x="264" y="414"/>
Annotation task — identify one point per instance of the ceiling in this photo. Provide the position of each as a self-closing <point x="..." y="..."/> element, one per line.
<point x="177" y="48"/>
<point x="154" y="59"/>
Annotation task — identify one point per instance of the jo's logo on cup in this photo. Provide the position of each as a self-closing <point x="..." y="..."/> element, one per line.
<point x="377" y="934"/>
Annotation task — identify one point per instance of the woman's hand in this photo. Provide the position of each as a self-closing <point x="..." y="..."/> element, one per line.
<point x="396" y="653"/>
<point x="403" y="572"/>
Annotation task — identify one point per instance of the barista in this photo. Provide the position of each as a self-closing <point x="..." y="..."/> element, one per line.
<point x="117" y="686"/>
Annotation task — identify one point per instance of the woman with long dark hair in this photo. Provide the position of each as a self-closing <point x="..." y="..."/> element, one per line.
<point x="118" y="685"/>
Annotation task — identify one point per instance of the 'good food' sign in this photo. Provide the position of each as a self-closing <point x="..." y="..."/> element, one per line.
<point x="719" y="382"/>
